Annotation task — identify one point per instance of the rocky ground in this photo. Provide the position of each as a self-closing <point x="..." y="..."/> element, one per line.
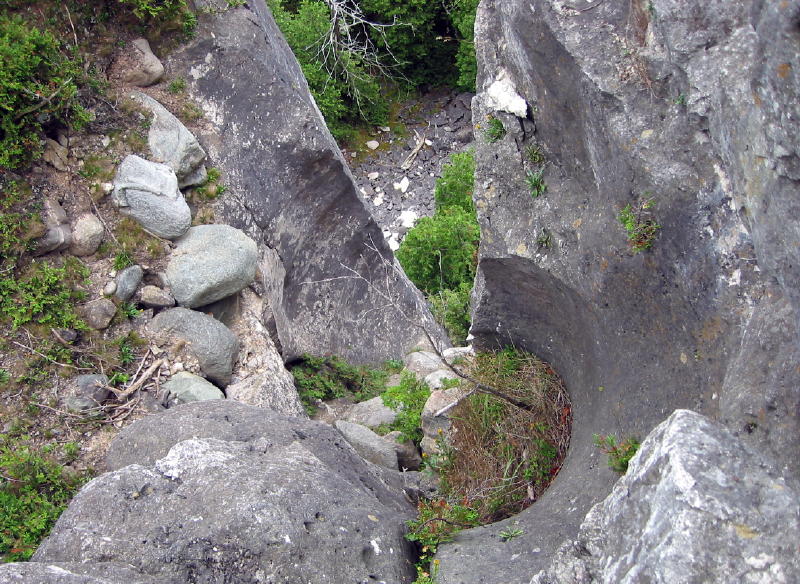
<point x="397" y="168"/>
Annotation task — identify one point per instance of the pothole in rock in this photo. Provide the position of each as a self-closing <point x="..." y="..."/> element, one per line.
<point x="505" y="444"/>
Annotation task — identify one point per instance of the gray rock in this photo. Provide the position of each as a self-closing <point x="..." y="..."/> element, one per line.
<point x="98" y="313"/>
<point x="268" y="494"/>
<point x="457" y="353"/>
<point x="80" y="404"/>
<point x="128" y="281"/>
<point x="148" y="192"/>
<point x="73" y="573"/>
<point x="436" y="428"/>
<point x="368" y="444"/>
<point x="371" y="413"/>
<point x="696" y="505"/>
<point x="144" y="68"/>
<point x="58" y="235"/>
<point x="295" y="194"/>
<point x="186" y="387"/>
<point x="87" y="235"/>
<point x="423" y="363"/>
<point x="93" y="387"/>
<point x="171" y="143"/>
<point x="211" y="262"/>
<point x="437" y="379"/>
<point x="56" y="155"/>
<point x="206" y="339"/>
<point x="155" y="297"/>
<point x="408" y="456"/>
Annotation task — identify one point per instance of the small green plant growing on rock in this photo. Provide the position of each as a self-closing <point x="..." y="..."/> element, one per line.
<point x="545" y="239"/>
<point x="495" y="130"/>
<point x="619" y="452"/>
<point x="536" y="184"/>
<point x="408" y="398"/>
<point x="640" y="225"/>
<point x="534" y="154"/>
<point x="510" y="533"/>
<point x="177" y="85"/>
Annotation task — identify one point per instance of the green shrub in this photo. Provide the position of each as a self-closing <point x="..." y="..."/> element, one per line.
<point x="640" y="225"/>
<point x="536" y="184"/>
<point x="439" y="253"/>
<point x="38" y="88"/>
<point x="163" y="13"/>
<point x="454" y="188"/>
<point x="325" y="378"/>
<point x="408" y="398"/>
<point x="619" y="453"/>
<point x="462" y="14"/>
<point x="494" y="131"/>
<point x="34" y="490"/>
<point x="44" y="295"/>
<point x="451" y="309"/>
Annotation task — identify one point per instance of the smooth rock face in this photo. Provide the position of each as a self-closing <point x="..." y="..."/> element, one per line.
<point x="148" y="192"/>
<point x="422" y="363"/>
<point x="368" y="444"/>
<point x="128" y="281"/>
<point x="87" y="235"/>
<point x="267" y="498"/>
<point x="294" y="195"/>
<point x="206" y="339"/>
<point x="209" y="263"/>
<point x="680" y="103"/>
<point x="171" y="143"/>
<point x="696" y="505"/>
<point x="185" y="387"/>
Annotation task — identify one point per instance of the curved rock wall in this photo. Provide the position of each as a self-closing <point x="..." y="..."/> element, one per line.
<point x="695" y="106"/>
<point x="292" y="192"/>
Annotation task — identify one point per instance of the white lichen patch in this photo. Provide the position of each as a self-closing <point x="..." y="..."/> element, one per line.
<point x="502" y="96"/>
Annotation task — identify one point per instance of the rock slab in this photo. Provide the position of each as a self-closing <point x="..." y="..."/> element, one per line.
<point x="185" y="387"/>
<point x="269" y="498"/>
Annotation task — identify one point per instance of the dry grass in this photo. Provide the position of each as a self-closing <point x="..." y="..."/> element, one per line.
<point x="502" y="457"/>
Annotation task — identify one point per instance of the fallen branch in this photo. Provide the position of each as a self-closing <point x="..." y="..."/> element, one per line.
<point x="137" y="384"/>
<point x="411" y="157"/>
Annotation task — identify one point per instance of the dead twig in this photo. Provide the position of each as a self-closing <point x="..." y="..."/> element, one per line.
<point x="50" y="359"/>
<point x="69" y="17"/>
<point x="411" y="157"/>
<point x="137" y="384"/>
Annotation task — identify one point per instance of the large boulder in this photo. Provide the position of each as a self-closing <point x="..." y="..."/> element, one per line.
<point x="73" y="573"/>
<point x="209" y="263"/>
<point x="368" y="444"/>
<point x="203" y="337"/>
<point x="223" y="492"/>
<point x="148" y="192"/>
<point x="696" y="505"/>
<point x="171" y="143"/>
<point x="327" y="269"/>
<point x="689" y="103"/>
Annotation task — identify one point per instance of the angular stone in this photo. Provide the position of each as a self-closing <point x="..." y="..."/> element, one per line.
<point x="55" y="155"/>
<point x="436" y="379"/>
<point x="186" y="387"/>
<point x="209" y="263"/>
<point x="368" y="444"/>
<point x="373" y="144"/>
<point x="435" y="427"/>
<point x="148" y="192"/>
<point x="408" y="456"/>
<point x="144" y="68"/>
<point x="128" y="281"/>
<point x="171" y="143"/>
<point x="58" y="235"/>
<point x="371" y="413"/>
<point x="696" y="505"/>
<point x="206" y="339"/>
<point x="87" y="235"/>
<point x="93" y="387"/>
<point x="423" y="363"/>
<point x="250" y="491"/>
<point x="155" y="297"/>
<point x="98" y="313"/>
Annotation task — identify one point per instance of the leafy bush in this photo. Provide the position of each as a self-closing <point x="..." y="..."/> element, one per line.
<point x="408" y="398"/>
<point x="43" y="294"/>
<point x="454" y="188"/>
<point x="344" y="89"/>
<point x="439" y="252"/>
<point x="640" y="225"/>
<point x="38" y="88"/>
<point x="325" y="378"/>
<point x="462" y="14"/>
<point x="33" y="492"/>
<point x="451" y="309"/>
<point x="164" y="12"/>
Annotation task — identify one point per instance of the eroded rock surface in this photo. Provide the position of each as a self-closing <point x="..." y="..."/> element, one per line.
<point x="696" y="505"/>
<point x="219" y="491"/>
